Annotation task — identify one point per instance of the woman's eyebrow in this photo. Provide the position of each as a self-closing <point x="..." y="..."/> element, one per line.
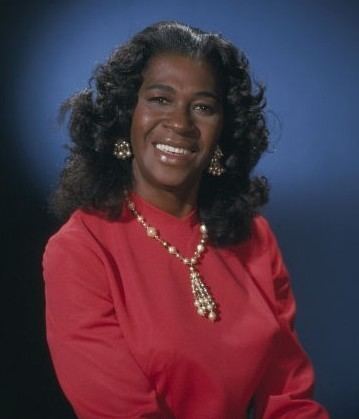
<point x="207" y="93"/>
<point x="165" y="87"/>
<point x="158" y="86"/>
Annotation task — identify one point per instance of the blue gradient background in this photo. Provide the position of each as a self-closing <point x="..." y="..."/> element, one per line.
<point x="306" y="52"/>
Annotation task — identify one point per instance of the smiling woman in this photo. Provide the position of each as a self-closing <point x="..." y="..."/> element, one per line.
<point x="166" y="292"/>
<point x="176" y="124"/>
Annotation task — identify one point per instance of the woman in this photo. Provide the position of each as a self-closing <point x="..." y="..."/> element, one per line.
<point x="166" y="292"/>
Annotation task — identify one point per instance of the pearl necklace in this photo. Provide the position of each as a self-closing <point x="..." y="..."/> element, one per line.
<point x="203" y="300"/>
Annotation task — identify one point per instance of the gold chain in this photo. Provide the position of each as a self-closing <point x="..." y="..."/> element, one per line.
<point x="203" y="300"/>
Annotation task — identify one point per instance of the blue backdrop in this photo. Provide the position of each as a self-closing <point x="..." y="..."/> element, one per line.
<point x="307" y="54"/>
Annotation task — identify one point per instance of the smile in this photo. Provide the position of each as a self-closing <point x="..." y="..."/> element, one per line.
<point x="172" y="150"/>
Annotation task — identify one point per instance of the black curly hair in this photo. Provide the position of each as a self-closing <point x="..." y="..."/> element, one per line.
<point x="94" y="180"/>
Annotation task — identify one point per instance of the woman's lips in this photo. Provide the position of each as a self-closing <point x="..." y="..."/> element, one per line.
<point x="166" y="148"/>
<point x="173" y="154"/>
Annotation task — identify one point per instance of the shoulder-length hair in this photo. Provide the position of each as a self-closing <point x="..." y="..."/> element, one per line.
<point x="94" y="180"/>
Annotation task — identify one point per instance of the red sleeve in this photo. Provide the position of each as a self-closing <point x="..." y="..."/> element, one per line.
<point x="287" y="387"/>
<point x="92" y="361"/>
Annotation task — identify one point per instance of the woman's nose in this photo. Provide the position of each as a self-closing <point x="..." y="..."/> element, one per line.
<point x="180" y="120"/>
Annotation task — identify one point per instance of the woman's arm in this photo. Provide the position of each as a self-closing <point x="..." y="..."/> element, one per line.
<point x="93" y="364"/>
<point x="286" y="389"/>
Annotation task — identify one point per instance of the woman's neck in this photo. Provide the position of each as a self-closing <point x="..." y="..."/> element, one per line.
<point x="177" y="203"/>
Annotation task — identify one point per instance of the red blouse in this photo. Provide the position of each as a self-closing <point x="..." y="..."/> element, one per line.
<point x="127" y="342"/>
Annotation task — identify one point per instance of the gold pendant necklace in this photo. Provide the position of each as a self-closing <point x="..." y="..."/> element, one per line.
<point x="203" y="300"/>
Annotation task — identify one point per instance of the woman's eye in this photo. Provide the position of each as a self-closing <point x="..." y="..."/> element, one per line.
<point x="202" y="107"/>
<point x="159" y="99"/>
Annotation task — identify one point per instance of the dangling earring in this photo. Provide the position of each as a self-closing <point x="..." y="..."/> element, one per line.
<point x="215" y="167"/>
<point x="122" y="149"/>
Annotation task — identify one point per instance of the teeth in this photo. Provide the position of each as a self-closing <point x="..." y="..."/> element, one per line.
<point x="170" y="149"/>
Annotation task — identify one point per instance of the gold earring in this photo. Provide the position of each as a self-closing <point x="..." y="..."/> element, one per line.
<point x="215" y="167"/>
<point x="122" y="149"/>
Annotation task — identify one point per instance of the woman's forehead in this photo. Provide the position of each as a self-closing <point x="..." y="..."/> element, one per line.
<point x="182" y="71"/>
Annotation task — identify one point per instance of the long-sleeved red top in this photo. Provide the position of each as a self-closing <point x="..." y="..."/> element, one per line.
<point x="127" y="342"/>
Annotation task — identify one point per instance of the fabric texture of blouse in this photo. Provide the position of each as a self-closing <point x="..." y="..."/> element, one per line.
<point x="126" y="340"/>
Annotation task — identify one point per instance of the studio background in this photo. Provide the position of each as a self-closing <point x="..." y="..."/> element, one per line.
<point x="306" y="52"/>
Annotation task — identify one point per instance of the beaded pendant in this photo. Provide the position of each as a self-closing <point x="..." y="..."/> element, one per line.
<point x="203" y="301"/>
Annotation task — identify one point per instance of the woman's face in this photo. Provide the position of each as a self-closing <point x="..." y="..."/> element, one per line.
<point x="175" y="125"/>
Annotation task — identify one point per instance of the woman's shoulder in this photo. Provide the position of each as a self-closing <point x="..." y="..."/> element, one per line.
<point x="75" y="257"/>
<point x="260" y="241"/>
<point x="260" y="229"/>
<point x="83" y="230"/>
